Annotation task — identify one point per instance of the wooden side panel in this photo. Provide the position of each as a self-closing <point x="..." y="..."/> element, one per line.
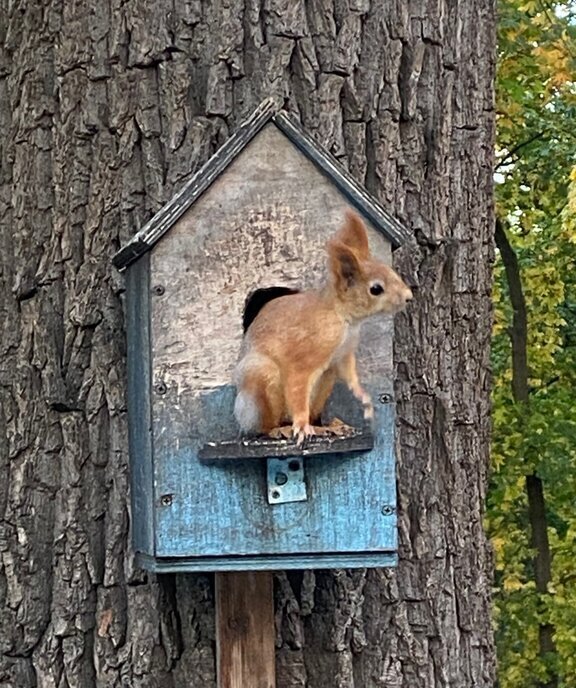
<point x="245" y="630"/>
<point x="139" y="404"/>
<point x="264" y="222"/>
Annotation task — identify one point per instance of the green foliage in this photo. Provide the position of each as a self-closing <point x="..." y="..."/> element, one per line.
<point x="536" y="201"/>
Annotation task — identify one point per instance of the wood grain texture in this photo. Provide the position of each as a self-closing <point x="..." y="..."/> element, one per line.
<point x="139" y="391"/>
<point x="245" y="633"/>
<point x="264" y="222"/>
<point x="105" y="110"/>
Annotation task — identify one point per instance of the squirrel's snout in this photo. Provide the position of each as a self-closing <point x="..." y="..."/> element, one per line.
<point x="403" y="295"/>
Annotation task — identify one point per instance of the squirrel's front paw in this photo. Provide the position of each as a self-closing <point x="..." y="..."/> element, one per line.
<point x="365" y="399"/>
<point x="367" y="406"/>
<point x="301" y="432"/>
<point x="368" y="410"/>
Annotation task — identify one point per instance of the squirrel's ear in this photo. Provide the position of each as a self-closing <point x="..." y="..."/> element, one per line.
<point x="354" y="235"/>
<point x="344" y="265"/>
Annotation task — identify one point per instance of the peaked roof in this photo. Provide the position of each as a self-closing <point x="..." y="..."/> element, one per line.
<point x="266" y="112"/>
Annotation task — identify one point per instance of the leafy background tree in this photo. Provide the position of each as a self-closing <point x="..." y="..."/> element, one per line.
<point x="531" y="516"/>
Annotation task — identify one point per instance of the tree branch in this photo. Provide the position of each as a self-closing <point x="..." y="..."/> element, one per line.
<point x="519" y="329"/>
<point x="511" y="153"/>
<point x="520" y="391"/>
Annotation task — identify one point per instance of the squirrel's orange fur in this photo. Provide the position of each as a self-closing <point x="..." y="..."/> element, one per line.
<point x="299" y="345"/>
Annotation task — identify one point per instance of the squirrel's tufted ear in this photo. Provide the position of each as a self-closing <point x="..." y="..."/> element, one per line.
<point x="354" y="235"/>
<point x="344" y="265"/>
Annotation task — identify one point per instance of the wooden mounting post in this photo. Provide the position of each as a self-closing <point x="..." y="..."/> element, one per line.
<point x="245" y="635"/>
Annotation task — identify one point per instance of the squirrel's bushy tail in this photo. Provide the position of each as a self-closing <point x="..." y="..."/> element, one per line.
<point x="259" y="404"/>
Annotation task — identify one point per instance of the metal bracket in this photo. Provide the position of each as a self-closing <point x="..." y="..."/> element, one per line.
<point x="285" y="479"/>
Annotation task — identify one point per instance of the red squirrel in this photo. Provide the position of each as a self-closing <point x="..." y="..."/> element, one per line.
<point x="298" y="344"/>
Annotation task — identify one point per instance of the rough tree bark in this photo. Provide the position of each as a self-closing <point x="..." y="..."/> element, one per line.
<point x="105" y="109"/>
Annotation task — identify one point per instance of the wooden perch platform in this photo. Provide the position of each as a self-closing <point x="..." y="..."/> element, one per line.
<point x="264" y="447"/>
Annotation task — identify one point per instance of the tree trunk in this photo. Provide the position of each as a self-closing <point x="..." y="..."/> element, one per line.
<point x="105" y="109"/>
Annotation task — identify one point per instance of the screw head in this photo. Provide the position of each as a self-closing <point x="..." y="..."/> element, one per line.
<point x="158" y="290"/>
<point x="388" y="510"/>
<point x="166" y="500"/>
<point x="160" y="388"/>
<point x="385" y="398"/>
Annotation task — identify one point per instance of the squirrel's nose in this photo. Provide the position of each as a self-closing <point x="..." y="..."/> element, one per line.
<point x="408" y="296"/>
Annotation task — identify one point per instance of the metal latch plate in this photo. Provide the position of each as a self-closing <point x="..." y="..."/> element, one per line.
<point x="286" y="481"/>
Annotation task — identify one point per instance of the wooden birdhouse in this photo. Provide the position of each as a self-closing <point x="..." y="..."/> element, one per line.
<point x="258" y="214"/>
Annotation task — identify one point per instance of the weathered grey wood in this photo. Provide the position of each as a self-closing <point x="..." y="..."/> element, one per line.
<point x="180" y="202"/>
<point x="162" y="222"/>
<point x="105" y="111"/>
<point x="138" y="389"/>
<point x="355" y="194"/>
<point x="265" y="222"/>
<point x="266" y="447"/>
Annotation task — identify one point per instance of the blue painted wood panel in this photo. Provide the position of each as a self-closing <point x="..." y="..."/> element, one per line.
<point x="222" y="510"/>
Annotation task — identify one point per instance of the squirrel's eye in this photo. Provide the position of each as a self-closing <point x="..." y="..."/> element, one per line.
<point x="376" y="289"/>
